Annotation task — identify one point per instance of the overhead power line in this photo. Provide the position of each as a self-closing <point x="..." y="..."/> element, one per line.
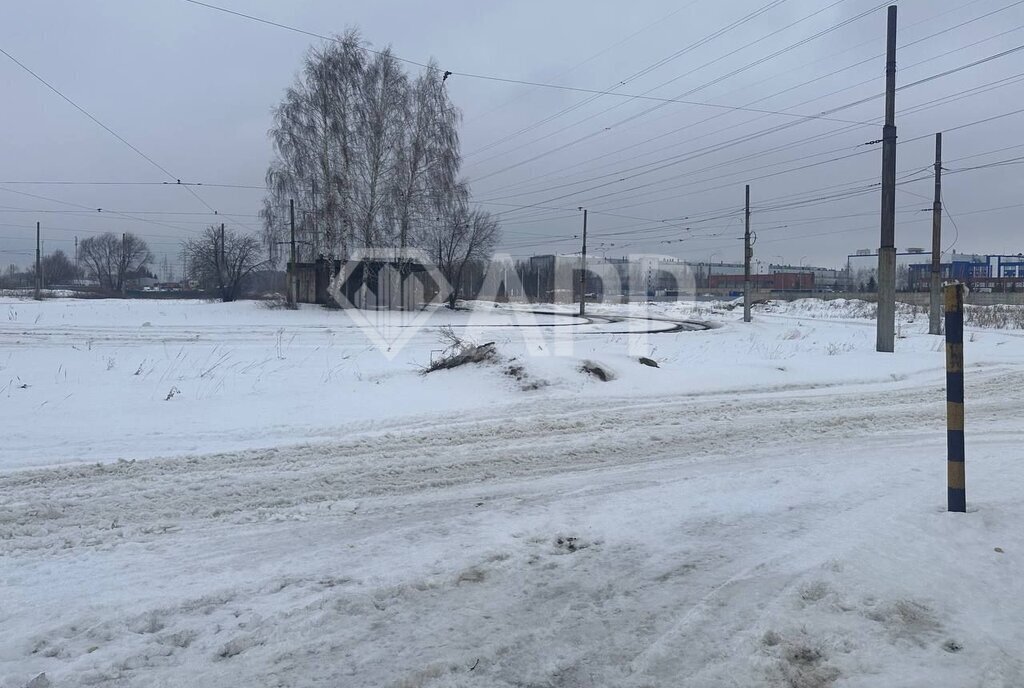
<point x="658" y="22"/>
<point x="674" y="160"/>
<point x="524" y="82"/>
<point x="632" y="77"/>
<point x="106" y="128"/>
<point x="295" y="29"/>
<point x="694" y="89"/>
<point x="848" y="152"/>
<point x="588" y="163"/>
<point x="656" y="230"/>
<point x="750" y="103"/>
<point x="176" y="183"/>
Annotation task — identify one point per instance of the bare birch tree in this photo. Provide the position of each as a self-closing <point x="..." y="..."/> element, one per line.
<point x="370" y="155"/>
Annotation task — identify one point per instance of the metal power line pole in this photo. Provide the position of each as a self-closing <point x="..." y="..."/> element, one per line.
<point x="39" y="265"/>
<point x="748" y="253"/>
<point x="886" y="325"/>
<point x="292" y="290"/>
<point x="583" y="267"/>
<point x="935" y="310"/>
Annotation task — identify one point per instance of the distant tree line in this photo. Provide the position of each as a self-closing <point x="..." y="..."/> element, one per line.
<point x="58" y="269"/>
<point x="109" y="259"/>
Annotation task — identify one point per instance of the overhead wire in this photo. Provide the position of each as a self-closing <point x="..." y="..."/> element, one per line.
<point x="611" y="89"/>
<point x="106" y="128"/>
<point x="772" y="130"/>
<point x="673" y="160"/>
<point x="652" y="89"/>
<point x="680" y="99"/>
<point x="857" y="151"/>
<point x="546" y="186"/>
<point x="592" y="57"/>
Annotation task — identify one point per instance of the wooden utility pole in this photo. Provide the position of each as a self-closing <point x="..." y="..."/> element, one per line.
<point x="583" y="267"/>
<point x="748" y="253"/>
<point x="935" y="310"/>
<point x="292" y="282"/>
<point x="886" y="325"/>
<point x="39" y="265"/>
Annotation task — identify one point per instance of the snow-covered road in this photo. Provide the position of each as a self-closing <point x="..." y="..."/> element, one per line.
<point x="791" y="535"/>
<point x="764" y="509"/>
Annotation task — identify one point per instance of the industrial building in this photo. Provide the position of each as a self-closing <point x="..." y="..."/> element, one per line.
<point x="994" y="273"/>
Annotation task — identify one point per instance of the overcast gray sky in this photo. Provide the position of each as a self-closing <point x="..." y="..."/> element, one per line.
<point x="193" y="89"/>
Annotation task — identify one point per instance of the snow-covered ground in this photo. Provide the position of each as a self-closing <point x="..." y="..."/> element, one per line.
<point x="765" y="508"/>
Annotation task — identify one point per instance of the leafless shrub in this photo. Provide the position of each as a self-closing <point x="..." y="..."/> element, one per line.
<point x="1001" y="317"/>
<point x="459" y="351"/>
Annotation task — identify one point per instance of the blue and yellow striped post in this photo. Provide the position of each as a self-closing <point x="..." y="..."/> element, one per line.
<point x="955" y="478"/>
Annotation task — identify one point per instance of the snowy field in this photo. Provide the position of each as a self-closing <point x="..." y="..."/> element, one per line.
<point x="199" y="494"/>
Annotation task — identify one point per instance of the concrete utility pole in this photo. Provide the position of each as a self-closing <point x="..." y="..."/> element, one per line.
<point x="748" y="253"/>
<point x="292" y="282"/>
<point x="223" y="258"/>
<point x="124" y="263"/>
<point x="935" y="311"/>
<point x="583" y="267"/>
<point x="886" y="325"/>
<point x="39" y="265"/>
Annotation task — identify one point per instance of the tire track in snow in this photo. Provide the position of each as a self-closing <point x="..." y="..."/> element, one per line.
<point x="89" y="505"/>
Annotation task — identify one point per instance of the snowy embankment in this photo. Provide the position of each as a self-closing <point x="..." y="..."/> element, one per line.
<point x="766" y="508"/>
